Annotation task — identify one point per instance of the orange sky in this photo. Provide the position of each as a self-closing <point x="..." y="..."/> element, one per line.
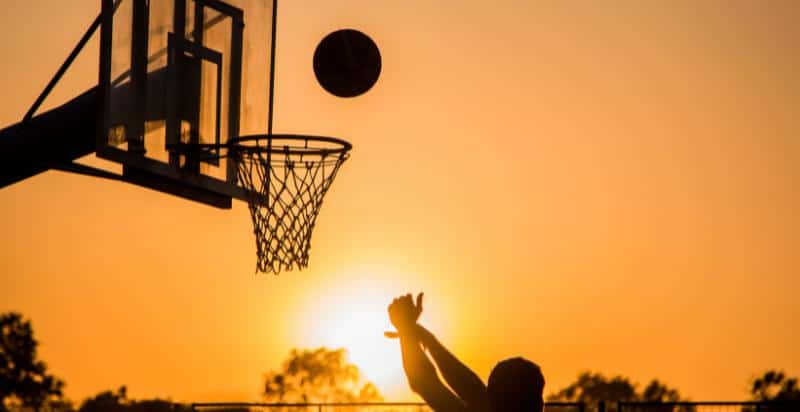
<point x="608" y="186"/>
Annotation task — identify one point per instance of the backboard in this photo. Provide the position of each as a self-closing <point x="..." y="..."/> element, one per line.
<point x="175" y="73"/>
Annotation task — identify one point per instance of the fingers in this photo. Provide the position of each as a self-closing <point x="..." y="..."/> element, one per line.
<point x="404" y="313"/>
<point x="407" y="298"/>
<point x="406" y="302"/>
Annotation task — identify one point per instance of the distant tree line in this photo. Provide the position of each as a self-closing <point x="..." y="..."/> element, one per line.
<point x="118" y="401"/>
<point x="592" y="388"/>
<point x="307" y="375"/>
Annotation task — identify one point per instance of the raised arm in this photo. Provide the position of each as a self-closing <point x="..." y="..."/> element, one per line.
<point x="467" y="385"/>
<point x="422" y="378"/>
<point x="421" y="373"/>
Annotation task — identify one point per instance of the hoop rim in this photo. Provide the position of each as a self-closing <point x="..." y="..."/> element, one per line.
<point x="260" y="142"/>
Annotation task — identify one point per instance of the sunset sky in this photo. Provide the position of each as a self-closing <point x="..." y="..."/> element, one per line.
<point x="605" y="186"/>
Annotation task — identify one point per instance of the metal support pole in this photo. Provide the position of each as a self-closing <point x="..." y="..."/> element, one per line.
<point x="63" y="69"/>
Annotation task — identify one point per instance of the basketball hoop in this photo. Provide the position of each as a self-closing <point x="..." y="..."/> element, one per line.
<point x="180" y="82"/>
<point x="285" y="178"/>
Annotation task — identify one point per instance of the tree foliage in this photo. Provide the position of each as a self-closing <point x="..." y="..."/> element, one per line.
<point x="592" y="388"/>
<point x="319" y="375"/>
<point x="107" y="401"/>
<point x="23" y="377"/>
<point x="774" y="385"/>
<point x="657" y="391"/>
<point x="110" y="401"/>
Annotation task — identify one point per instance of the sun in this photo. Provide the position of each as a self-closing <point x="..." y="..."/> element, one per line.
<point x="359" y="329"/>
<point x="355" y="319"/>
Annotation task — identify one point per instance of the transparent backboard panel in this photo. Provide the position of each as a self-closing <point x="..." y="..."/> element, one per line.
<point x="176" y="73"/>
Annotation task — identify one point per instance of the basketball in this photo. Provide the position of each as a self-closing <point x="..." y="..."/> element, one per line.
<point x="347" y="63"/>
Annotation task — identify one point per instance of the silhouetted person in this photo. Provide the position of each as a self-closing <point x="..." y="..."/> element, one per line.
<point x="514" y="385"/>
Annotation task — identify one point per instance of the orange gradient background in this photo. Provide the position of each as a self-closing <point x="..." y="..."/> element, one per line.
<point x="607" y="186"/>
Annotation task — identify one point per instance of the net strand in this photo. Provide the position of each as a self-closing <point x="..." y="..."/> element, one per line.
<point x="284" y="197"/>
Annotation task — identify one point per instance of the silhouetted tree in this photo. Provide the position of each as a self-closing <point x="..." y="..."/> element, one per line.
<point x="118" y="401"/>
<point x="656" y="391"/>
<point x="775" y="386"/>
<point x="319" y="375"/>
<point x="592" y="388"/>
<point x="107" y="401"/>
<point x="23" y="378"/>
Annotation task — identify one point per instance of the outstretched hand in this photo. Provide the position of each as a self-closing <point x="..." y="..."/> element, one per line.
<point x="404" y="314"/>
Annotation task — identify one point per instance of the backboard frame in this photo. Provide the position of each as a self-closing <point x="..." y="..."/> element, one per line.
<point x="181" y="175"/>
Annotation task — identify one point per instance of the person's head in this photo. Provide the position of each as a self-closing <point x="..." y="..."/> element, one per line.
<point x="516" y="385"/>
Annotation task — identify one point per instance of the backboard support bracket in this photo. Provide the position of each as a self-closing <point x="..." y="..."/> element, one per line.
<point x="150" y="181"/>
<point x="63" y="69"/>
<point x="176" y="188"/>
